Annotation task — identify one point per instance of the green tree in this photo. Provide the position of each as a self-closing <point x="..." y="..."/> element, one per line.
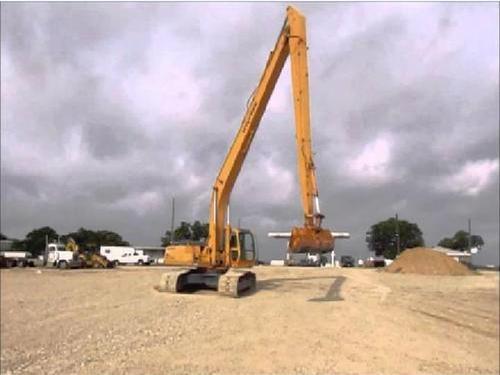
<point x="86" y="238"/>
<point x="82" y="236"/>
<point x="476" y="240"/>
<point x="460" y="241"/>
<point x="166" y="240"/>
<point x="106" y="237"/>
<point x="199" y="231"/>
<point x="382" y="237"/>
<point x="186" y="232"/>
<point x="35" y="240"/>
<point x="18" y="245"/>
<point x="446" y="242"/>
<point x="3" y="237"/>
<point x="183" y="231"/>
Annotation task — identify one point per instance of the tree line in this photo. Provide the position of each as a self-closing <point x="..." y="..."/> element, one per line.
<point x="460" y="241"/>
<point x="383" y="237"/>
<point x="186" y="232"/>
<point x="34" y="241"/>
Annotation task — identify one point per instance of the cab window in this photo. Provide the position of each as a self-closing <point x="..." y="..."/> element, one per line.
<point x="247" y="245"/>
<point x="234" y="247"/>
<point x="232" y="242"/>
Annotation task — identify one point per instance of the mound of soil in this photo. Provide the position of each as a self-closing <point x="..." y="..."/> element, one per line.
<point x="426" y="261"/>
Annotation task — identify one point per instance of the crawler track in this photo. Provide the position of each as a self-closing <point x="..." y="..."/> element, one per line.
<point x="171" y="281"/>
<point x="232" y="283"/>
<point x="235" y="282"/>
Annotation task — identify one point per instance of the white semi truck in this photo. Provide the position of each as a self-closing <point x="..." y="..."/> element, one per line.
<point x="69" y="256"/>
<point x="58" y="256"/>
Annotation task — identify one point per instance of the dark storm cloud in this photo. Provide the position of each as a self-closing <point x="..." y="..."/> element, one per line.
<point x="22" y="183"/>
<point x="104" y="141"/>
<point x="110" y="109"/>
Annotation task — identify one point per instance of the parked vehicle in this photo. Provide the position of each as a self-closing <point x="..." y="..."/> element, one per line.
<point x="134" y="258"/>
<point x="376" y="261"/>
<point x="72" y="256"/>
<point x="16" y="259"/>
<point x="347" y="261"/>
<point x="58" y="256"/>
<point x="113" y="253"/>
<point x="124" y="255"/>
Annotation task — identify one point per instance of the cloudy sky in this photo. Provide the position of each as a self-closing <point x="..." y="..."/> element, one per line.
<point x="110" y="109"/>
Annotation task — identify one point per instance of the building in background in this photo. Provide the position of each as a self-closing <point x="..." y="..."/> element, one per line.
<point x="460" y="256"/>
<point x="6" y="245"/>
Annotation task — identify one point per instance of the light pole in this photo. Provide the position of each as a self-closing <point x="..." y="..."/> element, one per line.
<point x="397" y="235"/>
<point x="172" y="219"/>
<point x="469" y="240"/>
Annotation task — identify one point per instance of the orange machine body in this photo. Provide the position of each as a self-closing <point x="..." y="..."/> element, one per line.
<point x="223" y="246"/>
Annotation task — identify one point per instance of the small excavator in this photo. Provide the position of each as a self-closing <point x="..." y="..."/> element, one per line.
<point x="222" y="262"/>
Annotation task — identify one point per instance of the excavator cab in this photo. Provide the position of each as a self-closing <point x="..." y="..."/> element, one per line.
<point x="242" y="248"/>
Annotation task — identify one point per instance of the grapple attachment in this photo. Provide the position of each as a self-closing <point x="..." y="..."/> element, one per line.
<point x="310" y="240"/>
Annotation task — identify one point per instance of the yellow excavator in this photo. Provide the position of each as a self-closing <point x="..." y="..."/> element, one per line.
<point x="221" y="263"/>
<point x="86" y="259"/>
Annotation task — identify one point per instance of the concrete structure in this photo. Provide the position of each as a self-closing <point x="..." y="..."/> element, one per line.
<point x="287" y="235"/>
<point x="460" y="256"/>
<point x="6" y="245"/>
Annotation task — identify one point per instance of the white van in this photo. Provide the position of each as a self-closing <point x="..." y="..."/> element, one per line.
<point x="124" y="255"/>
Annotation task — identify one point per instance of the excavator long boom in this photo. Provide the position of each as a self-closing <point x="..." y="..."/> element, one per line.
<point x="291" y="42"/>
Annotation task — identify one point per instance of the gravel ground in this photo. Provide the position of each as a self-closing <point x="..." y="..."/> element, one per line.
<point x="314" y="321"/>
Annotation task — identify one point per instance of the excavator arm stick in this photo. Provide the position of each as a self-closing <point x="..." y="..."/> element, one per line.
<point x="237" y="153"/>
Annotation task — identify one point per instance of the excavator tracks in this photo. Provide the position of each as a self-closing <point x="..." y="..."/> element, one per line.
<point x="232" y="283"/>
<point x="235" y="282"/>
<point x="171" y="281"/>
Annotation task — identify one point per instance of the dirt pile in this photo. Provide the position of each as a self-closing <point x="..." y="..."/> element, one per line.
<point x="426" y="261"/>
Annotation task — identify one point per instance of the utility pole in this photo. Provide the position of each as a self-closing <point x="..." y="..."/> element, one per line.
<point x="46" y="252"/>
<point x="469" y="240"/>
<point x="397" y="235"/>
<point x="172" y="220"/>
<point x="257" y="251"/>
